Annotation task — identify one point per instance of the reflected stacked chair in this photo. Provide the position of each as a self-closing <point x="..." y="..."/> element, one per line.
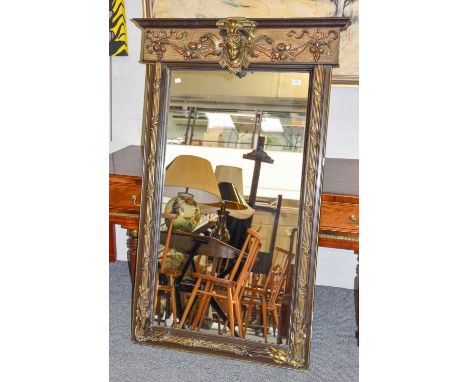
<point x="230" y="288"/>
<point x="267" y="296"/>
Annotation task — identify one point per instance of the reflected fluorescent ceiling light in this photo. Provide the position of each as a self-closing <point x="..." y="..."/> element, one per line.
<point x="219" y="121"/>
<point x="177" y="80"/>
<point x="272" y="125"/>
<point x="296" y="82"/>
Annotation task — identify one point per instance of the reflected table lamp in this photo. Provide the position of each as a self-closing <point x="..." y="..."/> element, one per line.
<point x="233" y="175"/>
<point x="189" y="180"/>
<point x="231" y="200"/>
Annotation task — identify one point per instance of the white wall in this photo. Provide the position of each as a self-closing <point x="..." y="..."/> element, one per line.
<point x="128" y="83"/>
<point x="343" y="123"/>
<point x="335" y="267"/>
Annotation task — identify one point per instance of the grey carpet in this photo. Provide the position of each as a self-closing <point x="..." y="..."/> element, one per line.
<point x="334" y="356"/>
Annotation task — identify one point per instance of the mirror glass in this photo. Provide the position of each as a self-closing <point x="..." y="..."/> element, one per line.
<point x="230" y="207"/>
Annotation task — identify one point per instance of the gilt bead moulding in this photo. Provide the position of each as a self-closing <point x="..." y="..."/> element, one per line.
<point x="234" y="44"/>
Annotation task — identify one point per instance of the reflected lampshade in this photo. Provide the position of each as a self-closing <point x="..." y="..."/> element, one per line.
<point x="189" y="173"/>
<point x="189" y="179"/>
<point x="231" y="174"/>
<point x="229" y="193"/>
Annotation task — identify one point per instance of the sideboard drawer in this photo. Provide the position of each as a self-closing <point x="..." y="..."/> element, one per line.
<point x="340" y="215"/>
<point x="120" y="197"/>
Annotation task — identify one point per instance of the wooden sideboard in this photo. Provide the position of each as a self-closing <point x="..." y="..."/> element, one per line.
<point x="339" y="216"/>
<point x="339" y="213"/>
<point x="125" y="169"/>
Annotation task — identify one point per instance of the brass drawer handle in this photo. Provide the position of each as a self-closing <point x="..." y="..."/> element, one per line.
<point x="353" y="218"/>
<point x="133" y="198"/>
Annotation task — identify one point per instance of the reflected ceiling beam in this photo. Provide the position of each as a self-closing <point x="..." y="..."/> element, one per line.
<point x="266" y="104"/>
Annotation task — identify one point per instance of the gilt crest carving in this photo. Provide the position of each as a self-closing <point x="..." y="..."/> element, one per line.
<point x="237" y="42"/>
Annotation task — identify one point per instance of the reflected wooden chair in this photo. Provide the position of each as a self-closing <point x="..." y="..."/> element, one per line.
<point x="229" y="289"/>
<point x="267" y="296"/>
<point x="199" y="316"/>
<point x="170" y="274"/>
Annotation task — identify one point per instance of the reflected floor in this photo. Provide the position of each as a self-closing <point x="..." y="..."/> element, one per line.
<point x="213" y="327"/>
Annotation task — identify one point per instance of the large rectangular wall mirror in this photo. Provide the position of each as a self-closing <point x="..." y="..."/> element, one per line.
<point x="214" y="120"/>
<point x="236" y="118"/>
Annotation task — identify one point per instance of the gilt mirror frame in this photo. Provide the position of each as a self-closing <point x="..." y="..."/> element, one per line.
<point x="308" y="45"/>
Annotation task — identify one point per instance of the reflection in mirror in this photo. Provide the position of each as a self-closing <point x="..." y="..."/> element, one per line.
<point x="230" y="208"/>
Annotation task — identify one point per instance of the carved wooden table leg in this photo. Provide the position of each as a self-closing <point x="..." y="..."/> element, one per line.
<point x="112" y="254"/>
<point x="132" y="245"/>
<point x="356" y="297"/>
